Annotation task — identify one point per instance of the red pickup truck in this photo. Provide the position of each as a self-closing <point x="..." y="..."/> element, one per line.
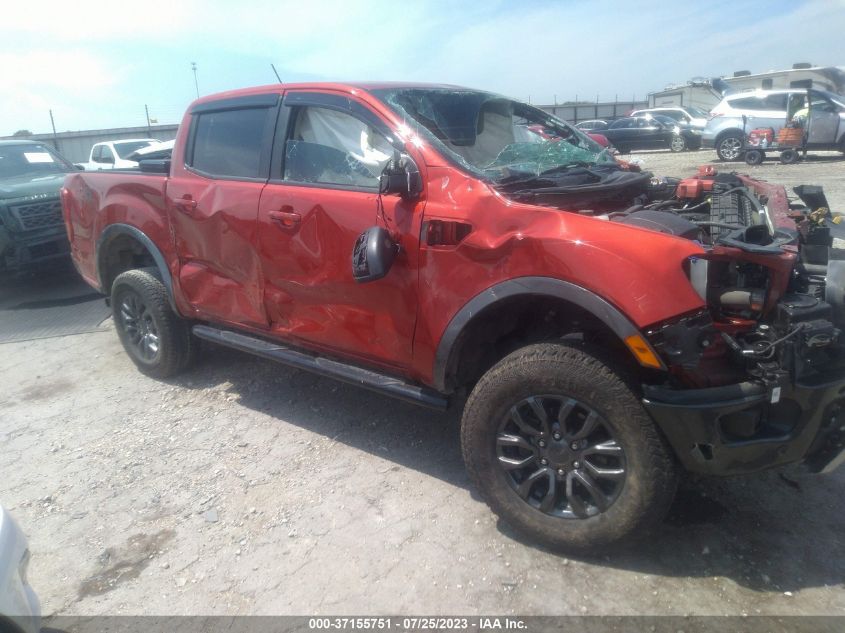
<point x="603" y="328"/>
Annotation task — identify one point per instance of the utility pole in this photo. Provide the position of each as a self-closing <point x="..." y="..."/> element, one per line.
<point x="55" y="136"/>
<point x="196" y="85"/>
<point x="149" y="128"/>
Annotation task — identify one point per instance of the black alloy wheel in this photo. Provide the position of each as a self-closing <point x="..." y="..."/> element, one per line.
<point x="560" y="456"/>
<point x="157" y="340"/>
<point x="561" y="448"/>
<point x="140" y="326"/>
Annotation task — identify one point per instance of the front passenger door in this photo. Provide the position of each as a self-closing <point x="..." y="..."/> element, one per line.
<point x="823" y="121"/>
<point x="323" y="193"/>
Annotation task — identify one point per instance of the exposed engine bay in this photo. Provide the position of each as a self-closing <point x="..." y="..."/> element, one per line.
<point x="773" y="285"/>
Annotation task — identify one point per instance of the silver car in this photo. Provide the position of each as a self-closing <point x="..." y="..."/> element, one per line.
<point x="20" y="611"/>
<point x="593" y="125"/>
<point x="767" y="108"/>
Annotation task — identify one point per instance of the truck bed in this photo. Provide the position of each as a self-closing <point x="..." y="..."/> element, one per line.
<point x="93" y="201"/>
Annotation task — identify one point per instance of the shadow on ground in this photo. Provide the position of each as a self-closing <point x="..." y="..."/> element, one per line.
<point x="47" y="303"/>
<point x="772" y="532"/>
<point x="57" y="285"/>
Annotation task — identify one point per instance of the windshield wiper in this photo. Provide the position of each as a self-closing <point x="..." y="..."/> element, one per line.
<point x="560" y="168"/>
<point x="511" y="181"/>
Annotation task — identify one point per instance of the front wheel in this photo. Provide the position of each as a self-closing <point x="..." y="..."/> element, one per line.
<point x="157" y="340"/>
<point x="789" y="156"/>
<point x="562" y="450"/>
<point x="729" y="146"/>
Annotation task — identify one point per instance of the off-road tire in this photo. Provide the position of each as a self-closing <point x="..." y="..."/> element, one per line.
<point x="177" y="347"/>
<point x="573" y="371"/>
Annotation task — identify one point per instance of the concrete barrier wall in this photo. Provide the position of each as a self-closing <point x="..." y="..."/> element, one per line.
<point x="76" y="146"/>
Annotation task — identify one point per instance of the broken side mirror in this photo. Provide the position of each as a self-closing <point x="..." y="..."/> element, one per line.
<point x="401" y="176"/>
<point x="373" y="254"/>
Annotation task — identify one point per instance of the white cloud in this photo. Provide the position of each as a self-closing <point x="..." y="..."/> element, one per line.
<point x="92" y="58"/>
<point x="35" y="82"/>
<point x="86" y="22"/>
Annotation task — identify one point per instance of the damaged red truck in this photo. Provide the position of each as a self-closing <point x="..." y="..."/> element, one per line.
<point x="603" y="328"/>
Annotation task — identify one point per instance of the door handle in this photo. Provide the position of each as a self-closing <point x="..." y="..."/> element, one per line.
<point x="285" y="218"/>
<point x="186" y="203"/>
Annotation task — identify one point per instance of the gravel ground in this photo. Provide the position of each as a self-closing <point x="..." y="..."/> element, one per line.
<point x="244" y="487"/>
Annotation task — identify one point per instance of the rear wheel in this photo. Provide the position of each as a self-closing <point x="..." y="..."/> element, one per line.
<point x="678" y="143"/>
<point x="789" y="156"/>
<point x="562" y="450"/>
<point x="157" y="340"/>
<point x="729" y="146"/>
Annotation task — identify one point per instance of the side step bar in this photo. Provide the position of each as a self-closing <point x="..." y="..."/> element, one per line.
<point x="381" y="383"/>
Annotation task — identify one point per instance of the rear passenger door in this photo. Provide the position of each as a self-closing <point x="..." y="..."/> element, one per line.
<point x="212" y="200"/>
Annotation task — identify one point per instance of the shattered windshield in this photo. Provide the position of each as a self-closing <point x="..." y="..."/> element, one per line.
<point x="492" y="136"/>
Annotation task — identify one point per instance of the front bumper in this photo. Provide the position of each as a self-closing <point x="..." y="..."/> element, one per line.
<point x="737" y="429"/>
<point x="18" y="252"/>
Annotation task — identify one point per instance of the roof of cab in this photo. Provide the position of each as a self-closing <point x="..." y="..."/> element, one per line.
<point x="351" y="87"/>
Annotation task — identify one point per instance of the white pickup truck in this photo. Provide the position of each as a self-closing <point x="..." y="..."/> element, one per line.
<point x="113" y="154"/>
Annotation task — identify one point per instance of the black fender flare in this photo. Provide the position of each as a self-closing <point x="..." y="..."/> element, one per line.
<point x="113" y="231"/>
<point x="527" y="286"/>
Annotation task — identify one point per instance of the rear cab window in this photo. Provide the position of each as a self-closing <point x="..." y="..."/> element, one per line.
<point x="229" y="143"/>
<point x="231" y="139"/>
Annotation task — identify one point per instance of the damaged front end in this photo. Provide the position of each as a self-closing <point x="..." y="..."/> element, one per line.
<point x="757" y="378"/>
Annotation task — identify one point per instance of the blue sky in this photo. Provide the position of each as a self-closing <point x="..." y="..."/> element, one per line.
<point x="96" y="64"/>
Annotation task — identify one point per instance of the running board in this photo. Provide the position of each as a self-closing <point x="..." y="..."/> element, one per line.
<point x="381" y="383"/>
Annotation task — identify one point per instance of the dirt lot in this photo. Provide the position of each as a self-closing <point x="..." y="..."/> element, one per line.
<point x="245" y="487"/>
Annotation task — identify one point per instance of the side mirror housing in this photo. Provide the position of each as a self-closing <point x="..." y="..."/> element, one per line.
<point x="373" y="254"/>
<point x="401" y="176"/>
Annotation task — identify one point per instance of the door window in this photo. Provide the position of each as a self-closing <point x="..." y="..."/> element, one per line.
<point x="623" y="123"/>
<point x="335" y="148"/>
<point x="747" y="103"/>
<point x="101" y="154"/>
<point x="229" y="143"/>
<point x="775" y="102"/>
